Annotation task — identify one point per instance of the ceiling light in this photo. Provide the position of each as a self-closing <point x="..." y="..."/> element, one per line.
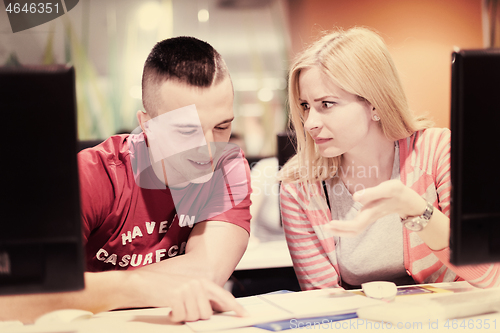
<point x="203" y="15"/>
<point x="149" y="15"/>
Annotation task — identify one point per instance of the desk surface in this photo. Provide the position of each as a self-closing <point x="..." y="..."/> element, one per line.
<point x="156" y="320"/>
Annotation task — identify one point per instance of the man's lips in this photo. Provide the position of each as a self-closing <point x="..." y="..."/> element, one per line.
<point x="201" y="164"/>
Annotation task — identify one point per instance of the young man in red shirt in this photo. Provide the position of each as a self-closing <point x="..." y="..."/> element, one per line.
<point x="165" y="212"/>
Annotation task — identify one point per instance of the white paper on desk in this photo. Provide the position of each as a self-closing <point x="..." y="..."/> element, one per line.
<point x="320" y="302"/>
<point x="275" y="307"/>
<point x="259" y="311"/>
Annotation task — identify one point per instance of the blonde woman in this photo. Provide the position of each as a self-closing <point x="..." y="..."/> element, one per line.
<point x="367" y="196"/>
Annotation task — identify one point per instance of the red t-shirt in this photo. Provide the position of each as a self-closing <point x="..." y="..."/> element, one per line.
<point x="127" y="226"/>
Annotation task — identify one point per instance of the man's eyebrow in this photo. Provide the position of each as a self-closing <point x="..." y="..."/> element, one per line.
<point x="225" y="121"/>
<point x="188" y="125"/>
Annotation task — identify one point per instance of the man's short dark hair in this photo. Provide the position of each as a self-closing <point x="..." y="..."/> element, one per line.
<point x="185" y="59"/>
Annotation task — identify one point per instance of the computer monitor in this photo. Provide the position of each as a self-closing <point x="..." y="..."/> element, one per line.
<point x="287" y="147"/>
<point x="475" y="147"/>
<point x="40" y="226"/>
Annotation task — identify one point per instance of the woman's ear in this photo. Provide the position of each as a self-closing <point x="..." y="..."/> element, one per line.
<point x="375" y="116"/>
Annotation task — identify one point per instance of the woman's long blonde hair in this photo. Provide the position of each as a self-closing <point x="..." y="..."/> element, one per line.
<point x="356" y="60"/>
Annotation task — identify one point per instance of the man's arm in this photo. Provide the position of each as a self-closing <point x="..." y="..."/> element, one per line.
<point x="213" y="250"/>
<point x="190" y="283"/>
<point x="102" y="292"/>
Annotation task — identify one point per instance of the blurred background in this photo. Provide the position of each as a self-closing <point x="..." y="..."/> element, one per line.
<point x="108" y="41"/>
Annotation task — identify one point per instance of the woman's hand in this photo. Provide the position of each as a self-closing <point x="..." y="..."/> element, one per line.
<point x="389" y="197"/>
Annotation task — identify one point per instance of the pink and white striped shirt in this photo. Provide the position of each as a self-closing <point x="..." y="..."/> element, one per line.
<point x="424" y="167"/>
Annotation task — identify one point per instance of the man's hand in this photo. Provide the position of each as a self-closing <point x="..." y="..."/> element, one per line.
<point x="389" y="197"/>
<point x="189" y="298"/>
<point x="197" y="299"/>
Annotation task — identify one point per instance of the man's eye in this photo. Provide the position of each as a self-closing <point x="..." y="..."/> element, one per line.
<point x="187" y="132"/>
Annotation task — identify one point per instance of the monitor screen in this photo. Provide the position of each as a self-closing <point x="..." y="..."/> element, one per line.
<point x="287" y="143"/>
<point x="475" y="145"/>
<point x="40" y="228"/>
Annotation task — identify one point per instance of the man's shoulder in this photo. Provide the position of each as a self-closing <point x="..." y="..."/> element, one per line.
<point x="114" y="150"/>
<point x="108" y="160"/>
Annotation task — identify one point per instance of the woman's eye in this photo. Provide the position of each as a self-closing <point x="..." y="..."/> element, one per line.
<point x="305" y="106"/>
<point x="222" y="128"/>
<point x="328" y="105"/>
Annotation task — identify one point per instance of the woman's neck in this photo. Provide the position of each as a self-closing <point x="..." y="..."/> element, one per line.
<point x="368" y="165"/>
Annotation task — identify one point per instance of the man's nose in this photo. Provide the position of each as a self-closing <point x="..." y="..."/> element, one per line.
<point x="205" y="150"/>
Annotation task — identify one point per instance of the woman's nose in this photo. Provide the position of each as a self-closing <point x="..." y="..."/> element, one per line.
<point x="313" y="122"/>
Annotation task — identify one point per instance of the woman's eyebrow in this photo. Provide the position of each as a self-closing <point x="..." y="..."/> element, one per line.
<point x="325" y="97"/>
<point x="320" y="98"/>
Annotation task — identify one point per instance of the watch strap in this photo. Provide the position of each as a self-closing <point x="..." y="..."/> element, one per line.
<point x="417" y="223"/>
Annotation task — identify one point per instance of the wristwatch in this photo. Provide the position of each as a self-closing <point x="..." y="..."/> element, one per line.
<point x="418" y="223"/>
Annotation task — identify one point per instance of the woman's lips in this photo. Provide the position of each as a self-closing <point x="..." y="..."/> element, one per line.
<point x="319" y="141"/>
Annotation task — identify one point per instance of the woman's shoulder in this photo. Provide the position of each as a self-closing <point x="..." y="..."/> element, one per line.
<point x="435" y="132"/>
<point x="425" y="149"/>
<point x="432" y="137"/>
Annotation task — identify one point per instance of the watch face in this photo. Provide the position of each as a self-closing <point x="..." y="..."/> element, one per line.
<point x="415" y="224"/>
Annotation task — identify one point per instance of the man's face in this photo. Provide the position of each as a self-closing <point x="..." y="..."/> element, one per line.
<point x="189" y="120"/>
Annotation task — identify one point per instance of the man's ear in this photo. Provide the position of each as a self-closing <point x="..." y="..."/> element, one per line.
<point x="142" y="118"/>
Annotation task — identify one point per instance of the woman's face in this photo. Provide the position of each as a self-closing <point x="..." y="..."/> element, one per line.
<point x="338" y="121"/>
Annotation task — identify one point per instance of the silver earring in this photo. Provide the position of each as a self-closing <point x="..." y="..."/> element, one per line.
<point x="376" y="117"/>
